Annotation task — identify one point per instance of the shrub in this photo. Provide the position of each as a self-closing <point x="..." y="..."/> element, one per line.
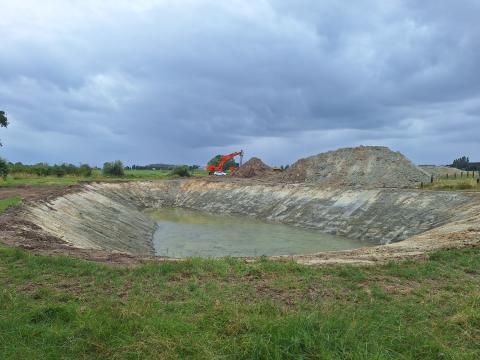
<point x="114" y="168"/>
<point x="181" y="171"/>
<point x="3" y="168"/>
<point x="58" y="171"/>
<point x="18" y="167"/>
<point x="41" y="169"/>
<point x="85" y="170"/>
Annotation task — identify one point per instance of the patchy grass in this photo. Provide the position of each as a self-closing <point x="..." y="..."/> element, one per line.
<point x="6" y="203"/>
<point x="32" y="180"/>
<point x="57" y="307"/>
<point x="454" y="184"/>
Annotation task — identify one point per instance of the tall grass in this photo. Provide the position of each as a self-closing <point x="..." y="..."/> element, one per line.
<point x="451" y="183"/>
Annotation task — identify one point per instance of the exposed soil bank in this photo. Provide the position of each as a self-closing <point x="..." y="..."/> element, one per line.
<point x="108" y="216"/>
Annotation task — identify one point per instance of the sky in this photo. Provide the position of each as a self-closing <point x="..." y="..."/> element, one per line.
<point x="179" y="81"/>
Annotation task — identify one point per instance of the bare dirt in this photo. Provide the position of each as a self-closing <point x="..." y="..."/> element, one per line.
<point x="15" y="231"/>
<point x="254" y="168"/>
<point x="41" y="192"/>
<point x="364" y="166"/>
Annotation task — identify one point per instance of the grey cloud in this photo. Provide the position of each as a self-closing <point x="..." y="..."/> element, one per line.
<point x="180" y="80"/>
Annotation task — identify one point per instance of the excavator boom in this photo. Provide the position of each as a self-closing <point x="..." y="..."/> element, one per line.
<point x="212" y="168"/>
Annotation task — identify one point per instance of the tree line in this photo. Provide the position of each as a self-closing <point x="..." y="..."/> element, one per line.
<point x="463" y="163"/>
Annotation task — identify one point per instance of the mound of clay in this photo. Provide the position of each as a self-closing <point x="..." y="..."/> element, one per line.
<point x="253" y="168"/>
<point x="364" y="166"/>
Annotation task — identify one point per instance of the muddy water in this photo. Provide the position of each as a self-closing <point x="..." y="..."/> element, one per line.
<point x="184" y="233"/>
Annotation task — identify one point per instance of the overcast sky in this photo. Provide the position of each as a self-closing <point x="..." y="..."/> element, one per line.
<point x="178" y="81"/>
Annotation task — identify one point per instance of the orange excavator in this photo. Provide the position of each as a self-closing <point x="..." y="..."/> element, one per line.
<point x="218" y="170"/>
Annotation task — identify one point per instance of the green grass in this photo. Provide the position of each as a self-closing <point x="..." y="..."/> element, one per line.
<point x="6" y="203"/>
<point x="57" y="307"/>
<point x="31" y="180"/>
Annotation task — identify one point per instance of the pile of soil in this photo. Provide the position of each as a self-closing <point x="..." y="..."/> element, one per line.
<point x="364" y="166"/>
<point x="254" y="168"/>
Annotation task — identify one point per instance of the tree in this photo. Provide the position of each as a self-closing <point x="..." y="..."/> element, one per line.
<point x="3" y="168"/>
<point x="461" y="163"/>
<point x="227" y="165"/>
<point x="85" y="170"/>
<point x="113" y="168"/>
<point x="3" y="121"/>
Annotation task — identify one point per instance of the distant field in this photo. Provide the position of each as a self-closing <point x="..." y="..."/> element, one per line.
<point x="32" y="180"/>
<point x="459" y="183"/>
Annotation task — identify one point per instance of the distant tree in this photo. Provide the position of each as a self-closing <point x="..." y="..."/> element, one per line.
<point x="461" y="163"/>
<point x="85" y="170"/>
<point x="58" y="170"/>
<point x="114" y="168"/>
<point x="41" y="169"/>
<point x="227" y="165"/>
<point x="4" y="169"/>
<point x="3" y="121"/>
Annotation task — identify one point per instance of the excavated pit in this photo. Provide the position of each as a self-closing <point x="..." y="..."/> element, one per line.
<point x="111" y="216"/>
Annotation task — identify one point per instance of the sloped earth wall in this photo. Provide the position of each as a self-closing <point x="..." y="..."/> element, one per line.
<point x="108" y="216"/>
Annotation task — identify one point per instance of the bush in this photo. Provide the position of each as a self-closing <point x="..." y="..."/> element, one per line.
<point x="114" y="168"/>
<point x="58" y="171"/>
<point x="85" y="170"/>
<point x="3" y="168"/>
<point x="41" y="169"/>
<point x="181" y="171"/>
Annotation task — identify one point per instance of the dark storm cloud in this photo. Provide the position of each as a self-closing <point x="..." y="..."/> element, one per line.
<point x="178" y="81"/>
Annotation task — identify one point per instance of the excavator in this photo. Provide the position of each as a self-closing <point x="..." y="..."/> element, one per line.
<point x="218" y="170"/>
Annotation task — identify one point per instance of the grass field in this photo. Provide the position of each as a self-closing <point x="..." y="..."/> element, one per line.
<point x="56" y="307"/>
<point x="31" y="180"/>
<point x="458" y="183"/>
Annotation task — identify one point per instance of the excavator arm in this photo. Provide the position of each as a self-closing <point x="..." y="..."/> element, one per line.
<point x="212" y="168"/>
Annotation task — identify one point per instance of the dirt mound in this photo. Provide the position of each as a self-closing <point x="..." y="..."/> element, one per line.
<point x="253" y="168"/>
<point x="364" y="166"/>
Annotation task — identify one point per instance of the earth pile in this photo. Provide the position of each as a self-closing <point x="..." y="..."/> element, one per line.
<point x="364" y="166"/>
<point x="254" y="168"/>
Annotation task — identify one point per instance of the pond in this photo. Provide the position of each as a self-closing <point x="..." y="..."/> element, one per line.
<point x="185" y="233"/>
